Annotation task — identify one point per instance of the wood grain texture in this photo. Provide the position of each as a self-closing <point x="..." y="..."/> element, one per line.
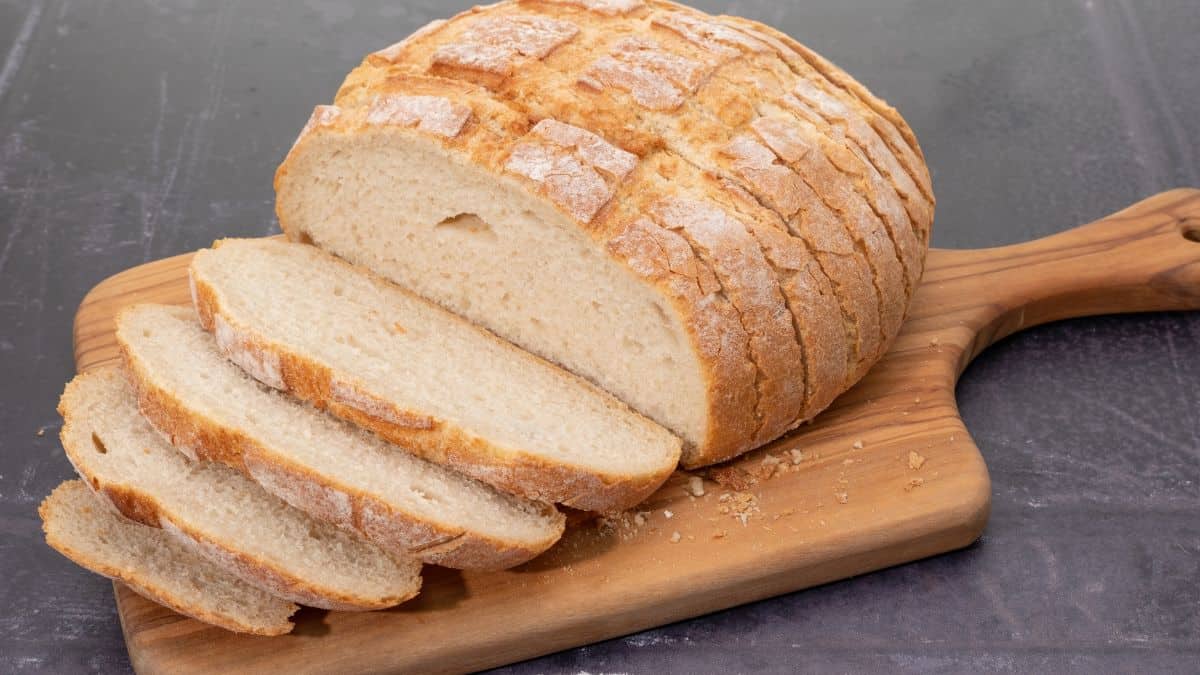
<point x="844" y="511"/>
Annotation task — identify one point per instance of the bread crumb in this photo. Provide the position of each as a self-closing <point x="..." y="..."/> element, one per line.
<point x="842" y="497"/>
<point x="720" y="534"/>
<point x="675" y="537"/>
<point x="732" y="477"/>
<point x="915" y="460"/>
<point x="41" y="432"/>
<point x="914" y="483"/>
<point x="607" y="525"/>
<point x="858" y="445"/>
<point x="397" y="329"/>
<point x="668" y="513"/>
<point x="639" y="518"/>
<point x="741" y="505"/>
<point x="771" y="466"/>
<point x="934" y="342"/>
<point x="848" y="461"/>
<point x="695" y="486"/>
<point x="797" y="456"/>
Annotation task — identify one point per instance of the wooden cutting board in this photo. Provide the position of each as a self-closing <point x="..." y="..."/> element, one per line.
<point x="888" y="475"/>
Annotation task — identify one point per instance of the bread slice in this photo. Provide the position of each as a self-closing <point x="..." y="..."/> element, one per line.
<point x="300" y="320"/>
<point x="86" y="530"/>
<point x="211" y="409"/>
<point x="219" y="513"/>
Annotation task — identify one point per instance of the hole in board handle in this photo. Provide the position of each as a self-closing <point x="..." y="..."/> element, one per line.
<point x="1191" y="232"/>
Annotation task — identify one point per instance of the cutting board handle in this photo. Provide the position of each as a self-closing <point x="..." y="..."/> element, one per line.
<point x="1142" y="259"/>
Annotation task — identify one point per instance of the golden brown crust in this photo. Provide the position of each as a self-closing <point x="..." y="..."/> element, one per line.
<point x="513" y="470"/>
<point x="139" y="582"/>
<point x="141" y="506"/>
<point x="876" y="127"/>
<point x="668" y="84"/>
<point x="348" y="506"/>
<point x="747" y="279"/>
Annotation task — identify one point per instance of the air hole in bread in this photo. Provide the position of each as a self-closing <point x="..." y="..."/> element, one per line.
<point x="338" y="291"/>
<point x="99" y="445"/>
<point x="468" y="224"/>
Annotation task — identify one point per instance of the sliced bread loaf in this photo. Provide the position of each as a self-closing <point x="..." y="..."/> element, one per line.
<point x="92" y="535"/>
<point x="695" y="212"/>
<point x="301" y="320"/>
<point x="218" y="512"/>
<point x="211" y="409"/>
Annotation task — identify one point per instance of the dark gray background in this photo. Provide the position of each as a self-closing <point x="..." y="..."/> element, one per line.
<point x="135" y="130"/>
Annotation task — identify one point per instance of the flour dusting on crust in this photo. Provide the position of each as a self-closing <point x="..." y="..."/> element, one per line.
<point x="263" y="365"/>
<point x="655" y="77"/>
<point x="432" y="114"/>
<point x="573" y="167"/>
<point x="496" y="44"/>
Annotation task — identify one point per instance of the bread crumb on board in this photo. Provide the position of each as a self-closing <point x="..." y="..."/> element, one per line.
<point x="742" y="506"/>
<point x="914" y="483"/>
<point x="695" y="486"/>
<point x="797" y="455"/>
<point x="858" y="445"/>
<point x="625" y="525"/>
<point x="732" y="477"/>
<point x="669" y="513"/>
<point x="41" y="432"/>
<point x="915" y="460"/>
<point x="675" y="537"/>
<point x="842" y="497"/>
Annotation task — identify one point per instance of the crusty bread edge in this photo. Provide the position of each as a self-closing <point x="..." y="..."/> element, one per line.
<point x="143" y="507"/>
<point x="140" y="583"/>
<point x="201" y="437"/>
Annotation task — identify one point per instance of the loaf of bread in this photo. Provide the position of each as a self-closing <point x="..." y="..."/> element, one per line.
<point x="218" y="513"/>
<point x="85" y="529"/>
<point x="696" y="213"/>
<point x="333" y="470"/>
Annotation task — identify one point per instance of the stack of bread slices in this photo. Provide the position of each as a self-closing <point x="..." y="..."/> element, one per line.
<point x="539" y="255"/>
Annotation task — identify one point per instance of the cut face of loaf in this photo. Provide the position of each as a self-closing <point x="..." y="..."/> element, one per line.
<point x="87" y="530"/>
<point x="301" y="320"/>
<point x="695" y="213"/>
<point x="218" y="513"/>
<point x="211" y="409"/>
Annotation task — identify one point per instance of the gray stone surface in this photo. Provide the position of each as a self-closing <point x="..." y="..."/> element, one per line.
<point x="134" y="130"/>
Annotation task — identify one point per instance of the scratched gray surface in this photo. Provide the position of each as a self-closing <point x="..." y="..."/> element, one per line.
<point x="133" y="130"/>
